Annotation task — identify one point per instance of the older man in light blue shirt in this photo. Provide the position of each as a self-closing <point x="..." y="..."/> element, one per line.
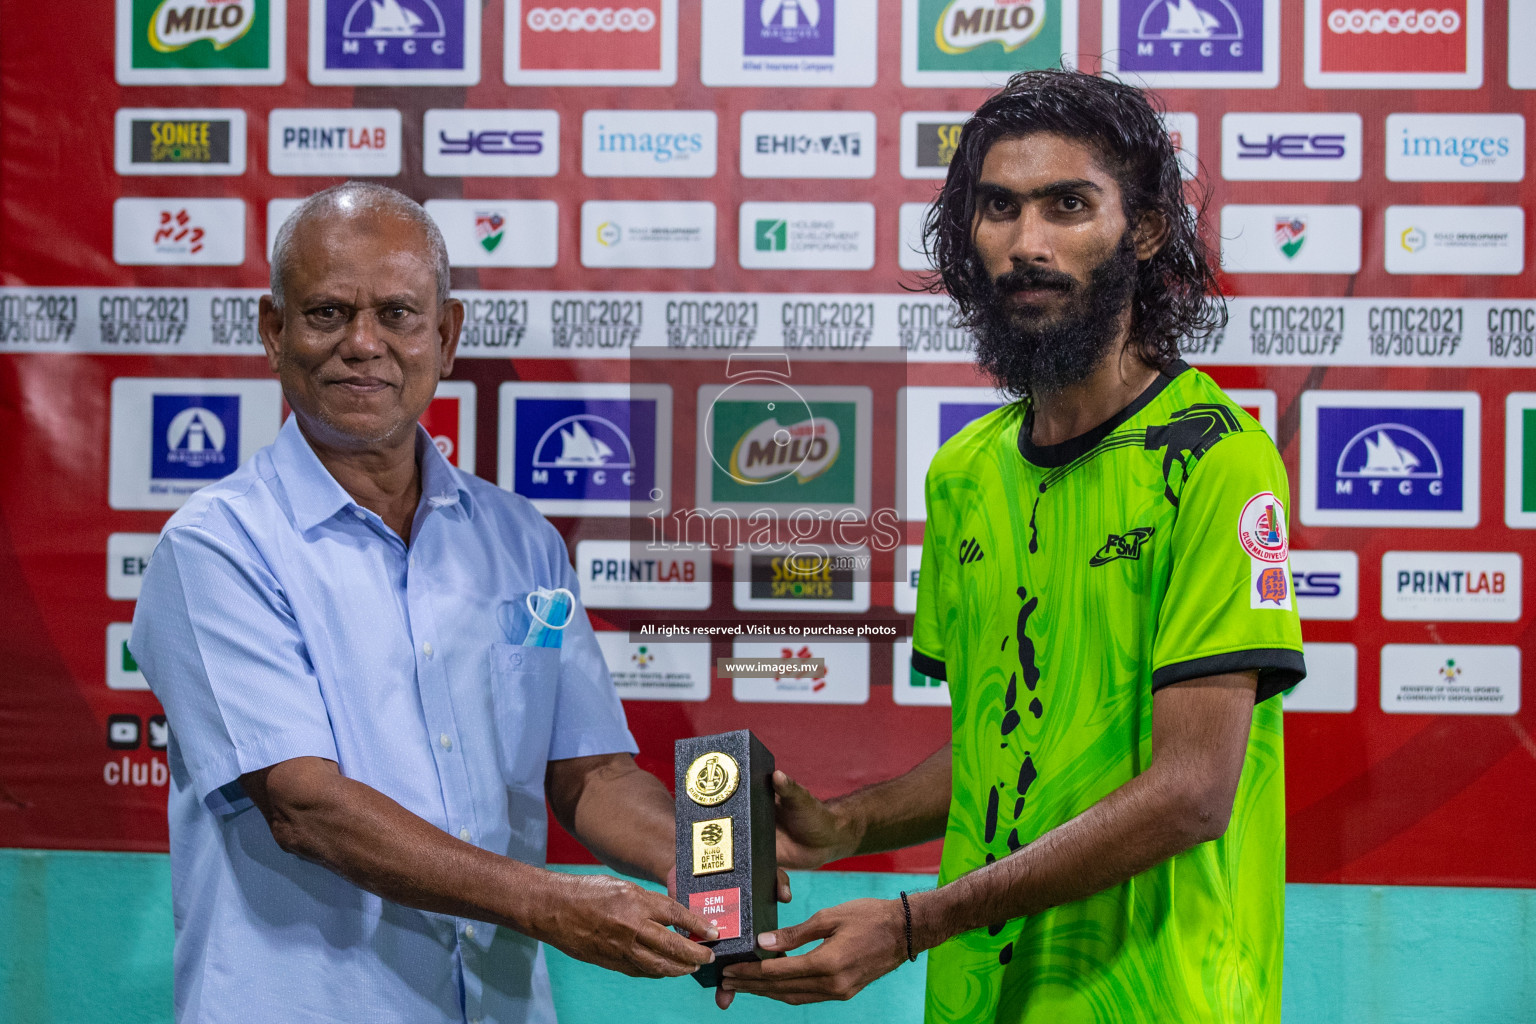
<point x="362" y="743"/>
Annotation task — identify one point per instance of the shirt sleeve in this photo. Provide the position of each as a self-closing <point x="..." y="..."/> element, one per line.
<point x="928" y="627"/>
<point x="589" y="718"/>
<point x="218" y="644"/>
<point x="1229" y="605"/>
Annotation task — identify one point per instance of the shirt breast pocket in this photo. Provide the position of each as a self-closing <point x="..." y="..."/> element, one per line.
<point x="524" y="681"/>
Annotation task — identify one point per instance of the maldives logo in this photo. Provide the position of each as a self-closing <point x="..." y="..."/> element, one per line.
<point x="1290" y="235"/>
<point x="800" y="28"/>
<point x="177" y="235"/>
<point x="490" y="229"/>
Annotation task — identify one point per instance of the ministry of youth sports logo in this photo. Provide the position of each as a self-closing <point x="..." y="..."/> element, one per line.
<point x="1261" y="528"/>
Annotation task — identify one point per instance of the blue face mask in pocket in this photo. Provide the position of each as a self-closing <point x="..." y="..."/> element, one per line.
<point x="551" y="613"/>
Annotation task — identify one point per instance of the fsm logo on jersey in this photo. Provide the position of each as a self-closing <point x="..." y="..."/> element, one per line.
<point x="394" y="42"/>
<point x="1390" y="458"/>
<point x="1406" y="44"/>
<point x="173" y="436"/>
<point x="1194" y="43"/>
<point x="982" y="42"/>
<point x="201" y="42"/>
<point x="586" y="449"/>
<point x="624" y="42"/>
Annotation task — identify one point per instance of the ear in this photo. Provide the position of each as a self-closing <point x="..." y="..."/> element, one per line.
<point x="1151" y="234"/>
<point x="269" y="327"/>
<point x="449" y="324"/>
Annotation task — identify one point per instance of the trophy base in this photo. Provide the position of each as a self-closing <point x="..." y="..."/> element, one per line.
<point x="709" y="974"/>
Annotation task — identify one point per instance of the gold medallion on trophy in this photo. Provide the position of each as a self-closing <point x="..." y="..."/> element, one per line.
<point x="712" y="778"/>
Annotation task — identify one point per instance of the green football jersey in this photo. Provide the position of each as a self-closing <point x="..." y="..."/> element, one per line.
<point x="1061" y="587"/>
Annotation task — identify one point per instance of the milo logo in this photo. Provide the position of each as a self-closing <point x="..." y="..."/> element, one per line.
<point x="966" y="24"/>
<point x="773" y="451"/>
<point x="186" y="42"/>
<point x="177" y="24"/>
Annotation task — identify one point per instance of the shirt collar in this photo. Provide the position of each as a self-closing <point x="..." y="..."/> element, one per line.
<point x="315" y="496"/>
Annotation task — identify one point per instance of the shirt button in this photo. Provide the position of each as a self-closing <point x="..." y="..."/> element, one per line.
<point x="464" y="834"/>
<point x="469" y="931"/>
<point x="426" y="649"/>
<point x="360" y="513"/>
<point x="444" y="742"/>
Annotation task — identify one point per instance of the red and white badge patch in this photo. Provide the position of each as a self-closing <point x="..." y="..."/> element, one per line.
<point x="1261" y="528"/>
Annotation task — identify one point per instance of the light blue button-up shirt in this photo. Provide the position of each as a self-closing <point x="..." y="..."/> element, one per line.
<point x="281" y="619"/>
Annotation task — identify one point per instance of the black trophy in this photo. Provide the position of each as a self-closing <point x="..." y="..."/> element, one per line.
<point x="727" y="865"/>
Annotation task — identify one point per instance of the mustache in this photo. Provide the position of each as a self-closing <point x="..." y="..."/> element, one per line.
<point x="1022" y="278"/>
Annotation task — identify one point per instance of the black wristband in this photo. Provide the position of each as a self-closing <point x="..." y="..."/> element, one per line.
<point x="906" y="909"/>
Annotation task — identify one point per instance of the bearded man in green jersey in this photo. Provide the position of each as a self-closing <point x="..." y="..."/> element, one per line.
<point x="1105" y="588"/>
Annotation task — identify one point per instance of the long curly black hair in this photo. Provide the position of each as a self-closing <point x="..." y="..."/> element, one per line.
<point x="1176" y="293"/>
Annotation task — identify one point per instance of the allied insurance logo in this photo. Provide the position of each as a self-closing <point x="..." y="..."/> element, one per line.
<point x="586" y="449"/>
<point x="1409" y="44"/>
<point x="783" y="28"/>
<point x="394" y="42"/>
<point x="491" y="143"/>
<point x="171" y="437"/>
<point x="1194" y="43"/>
<point x="777" y="446"/>
<point x="326" y="141"/>
<point x="1390" y="458"/>
<point x="179" y="141"/>
<point x="928" y="142"/>
<point x="982" y="42"/>
<point x="1291" y="147"/>
<point x="201" y="42"/>
<point x="788" y="42"/>
<point x="627" y="42"/>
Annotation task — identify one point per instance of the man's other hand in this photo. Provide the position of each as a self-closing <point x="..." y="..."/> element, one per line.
<point x="861" y="940"/>
<point x="623" y="927"/>
<point x="810" y="833"/>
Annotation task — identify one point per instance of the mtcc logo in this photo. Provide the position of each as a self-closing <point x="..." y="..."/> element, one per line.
<point x="1390" y="455"/>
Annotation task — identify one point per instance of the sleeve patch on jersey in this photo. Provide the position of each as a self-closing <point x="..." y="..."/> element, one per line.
<point x="1261" y="529"/>
<point x="1270" y="585"/>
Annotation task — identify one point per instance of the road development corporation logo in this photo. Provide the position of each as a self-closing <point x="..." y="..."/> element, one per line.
<point x="1198" y="44"/>
<point x="1390" y="458"/>
<point x="491" y="143"/>
<point x="928" y="142"/>
<point x="801" y="236"/>
<point x="450" y="422"/>
<point x="814" y="673"/>
<point x="1455" y="147"/>
<point x="1520" y="460"/>
<point x="499" y="233"/>
<point x="585" y="449"/>
<point x="625" y="42"/>
<point x="178" y="232"/>
<point x="655" y="671"/>
<point x="327" y="141"/>
<point x="1451" y="586"/>
<point x="394" y="42"/>
<point x="1326" y="584"/>
<point x="982" y="42"/>
<point x="1290" y="147"/>
<point x="804" y="581"/>
<point x="642" y="233"/>
<point x="807" y="144"/>
<point x="927" y="417"/>
<point x="788" y="42"/>
<point x="783" y="448"/>
<point x="201" y="42"/>
<point x="1408" y="44"/>
<point x="172" y="436"/>
<point x="179" y="141"/>
<point x="1290" y="239"/>
<point x="1449" y="679"/>
<point x="1455" y="240"/>
<point x="649" y="143"/>
<point x="621" y="574"/>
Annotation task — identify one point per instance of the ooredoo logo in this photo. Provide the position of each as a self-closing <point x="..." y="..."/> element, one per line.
<point x="1376" y="21"/>
<point x="1435" y="43"/>
<point x="547" y="44"/>
<point x="591" y="19"/>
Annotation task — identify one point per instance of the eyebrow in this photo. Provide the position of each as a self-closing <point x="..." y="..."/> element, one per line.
<point x="1070" y="186"/>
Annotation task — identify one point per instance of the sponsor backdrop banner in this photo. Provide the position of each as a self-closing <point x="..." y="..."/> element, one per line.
<point x="641" y="201"/>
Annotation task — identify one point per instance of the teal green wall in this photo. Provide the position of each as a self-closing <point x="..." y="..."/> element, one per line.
<point x="85" y="938"/>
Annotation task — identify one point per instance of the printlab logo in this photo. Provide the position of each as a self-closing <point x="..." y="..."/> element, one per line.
<point x="777" y="28"/>
<point x="194" y="437"/>
<point x="978" y="42"/>
<point x="200" y="41"/>
<point x="1354" y="45"/>
<point x="385" y="41"/>
<point x="1290" y="235"/>
<point x="334" y="141"/>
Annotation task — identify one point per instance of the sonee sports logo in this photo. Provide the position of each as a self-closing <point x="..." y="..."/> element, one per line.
<point x="1127" y="546"/>
<point x="970" y="551"/>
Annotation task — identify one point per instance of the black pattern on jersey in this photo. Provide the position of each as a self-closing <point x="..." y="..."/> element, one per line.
<point x="1184" y="439"/>
<point x="970" y="551"/>
<point x="1027" y="771"/>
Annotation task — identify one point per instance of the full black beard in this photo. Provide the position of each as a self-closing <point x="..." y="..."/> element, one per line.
<point x="1028" y="354"/>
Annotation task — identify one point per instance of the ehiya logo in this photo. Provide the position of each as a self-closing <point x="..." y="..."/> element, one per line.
<point x="966" y="24"/>
<point x="1375" y="21"/>
<point x="177" y="24"/>
<point x="590" y="19"/>
<point x="1413" y="239"/>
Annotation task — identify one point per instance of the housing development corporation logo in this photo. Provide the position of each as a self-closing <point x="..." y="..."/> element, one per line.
<point x="980" y="42"/>
<point x="584" y="449"/>
<point x="827" y="236"/>
<point x="387" y="42"/>
<point x="1390" y="458"/>
<point x="190" y="42"/>
<point x="1194" y="43"/>
<point x="631" y="42"/>
<point x="801" y="28"/>
<point x="1430" y="43"/>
